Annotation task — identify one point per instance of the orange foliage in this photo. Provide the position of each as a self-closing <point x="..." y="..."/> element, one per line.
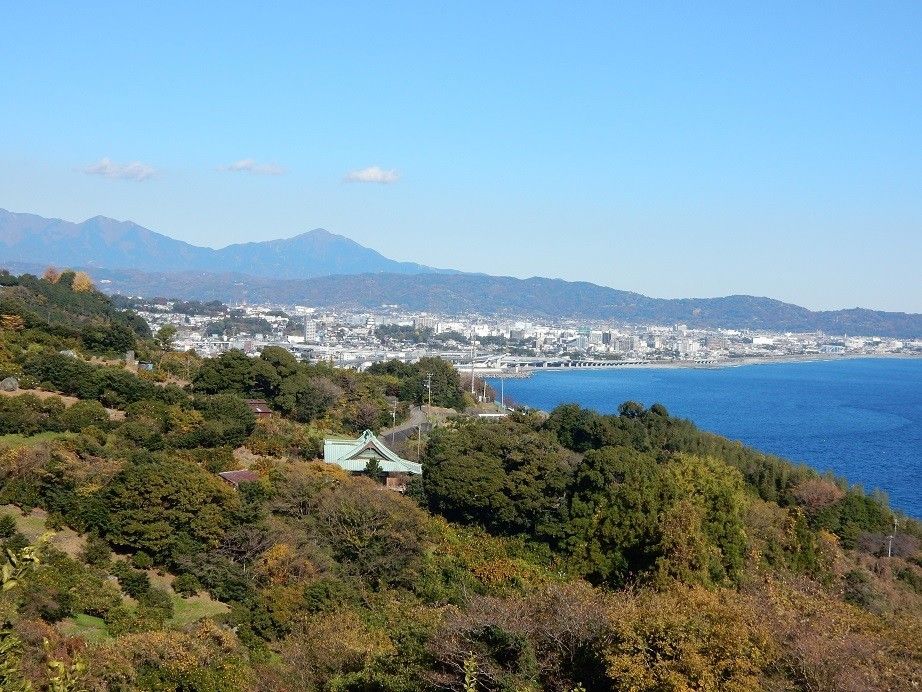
<point x="82" y="283"/>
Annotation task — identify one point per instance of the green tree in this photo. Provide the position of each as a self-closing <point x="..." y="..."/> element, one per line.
<point x="504" y="476"/>
<point x="229" y="373"/>
<point x="84" y="414"/>
<point x="307" y="398"/>
<point x="157" y="501"/>
<point x="165" y="336"/>
<point x="616" y="498"/>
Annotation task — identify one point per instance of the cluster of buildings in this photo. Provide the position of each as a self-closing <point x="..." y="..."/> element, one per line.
<point x="490" y="345"/>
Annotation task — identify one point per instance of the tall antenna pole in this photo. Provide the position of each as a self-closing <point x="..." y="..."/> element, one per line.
<point x="473" y="353"/>
<point x="429" y="387"/>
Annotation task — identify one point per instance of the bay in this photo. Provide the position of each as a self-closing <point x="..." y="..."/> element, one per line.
<point x="859" y="418"/>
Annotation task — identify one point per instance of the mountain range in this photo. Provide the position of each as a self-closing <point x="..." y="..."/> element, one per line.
<point x="326" y="270"/>
<point x="102" y="242"/>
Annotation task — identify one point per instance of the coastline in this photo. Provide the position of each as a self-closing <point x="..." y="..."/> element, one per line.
<point x="526" y="372"/>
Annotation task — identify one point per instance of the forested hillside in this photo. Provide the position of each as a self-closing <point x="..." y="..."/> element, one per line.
<point x="537" y="297"/>
<point x="569" y="551"/>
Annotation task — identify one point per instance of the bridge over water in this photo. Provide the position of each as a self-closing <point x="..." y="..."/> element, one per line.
<point x="518" y="364"/>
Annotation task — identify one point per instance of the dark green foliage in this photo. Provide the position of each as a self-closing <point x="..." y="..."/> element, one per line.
<point x="224" y="579"/>
<point x="308" y="393"/>
<point x="373" y="470"/>
<point x="239" y="325"/>
<point x="96" y="551"/>
<point x="327" y="594"/>
<point x="156" y="502"/>
<point x="228" y="421"/>
<point x="631" y="409"/>
<point x="142" y="560"/>
<point x="110" y="386"/>
<point x="307" y="398"/>
<point x="58" y="317"/>
<point x="615" y="502"/>
<point x="7" y="526"/>
<point x="580" y="429"/>
<point x="911" y="577"/>
<point x="505" y="476"/>
<point x="109" y="339"/>
<point x="853" y="515"/>
<point x="84" y="414"/>
<point x="134" y="583"/>
<point x="156" y="603"/>
<point x="413" y="379"/>
<point x="232" y="372"/>
<point x="187" y="584"/>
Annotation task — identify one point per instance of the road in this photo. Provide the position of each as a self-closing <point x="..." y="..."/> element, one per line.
<point x="401" y="432"/>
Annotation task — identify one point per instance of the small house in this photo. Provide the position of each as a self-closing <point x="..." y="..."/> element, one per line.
<point x="259" y="408"/>
<point x="354" y="456"/>
<point x="235" y="478"/>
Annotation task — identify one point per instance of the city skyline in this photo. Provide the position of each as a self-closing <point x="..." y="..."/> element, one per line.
<point x="707" y="151"/>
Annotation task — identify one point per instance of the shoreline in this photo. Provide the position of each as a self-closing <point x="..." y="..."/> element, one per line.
<point x="526" y="372"/>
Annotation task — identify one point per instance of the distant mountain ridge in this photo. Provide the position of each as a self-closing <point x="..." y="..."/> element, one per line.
<point x="102" y="242"/>
<point x="538" y="298"/>
<point x="326" y="270"/>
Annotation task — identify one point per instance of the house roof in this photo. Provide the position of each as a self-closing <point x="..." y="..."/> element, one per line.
<point x="235" y="478"/>
<point x="353" y="455"/>
<point x="258" y="406"/>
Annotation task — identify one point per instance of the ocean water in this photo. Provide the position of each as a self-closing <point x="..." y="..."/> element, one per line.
<point x="860" y="418"/>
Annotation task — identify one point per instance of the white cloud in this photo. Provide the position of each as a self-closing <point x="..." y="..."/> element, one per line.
<point x="108" y="168"/>
<point x="251" y="166"/>
<point x="373" y="174"/>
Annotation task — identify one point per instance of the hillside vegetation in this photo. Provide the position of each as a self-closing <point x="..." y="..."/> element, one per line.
<point x="570" y="551"/>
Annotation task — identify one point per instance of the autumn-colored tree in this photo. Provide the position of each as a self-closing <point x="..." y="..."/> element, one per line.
<point x="82" y="283"/>
<point x="12" y="323"/>
<point x="330" y="644"/>
<point x="688" y="638"/>
<point x="816" y="494"/>
<point x="52" y="275"/>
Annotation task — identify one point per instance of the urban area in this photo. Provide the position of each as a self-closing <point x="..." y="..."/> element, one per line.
<point x="487" y="346"/>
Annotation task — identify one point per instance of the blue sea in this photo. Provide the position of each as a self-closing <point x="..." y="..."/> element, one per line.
<point x="860" y="418"/>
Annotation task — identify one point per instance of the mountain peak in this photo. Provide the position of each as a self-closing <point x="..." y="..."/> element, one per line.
<point x="109" y="243"/>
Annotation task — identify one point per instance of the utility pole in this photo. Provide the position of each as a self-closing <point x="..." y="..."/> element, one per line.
<point x="890" y="539"/>
<point x="502" y="391"/>
<point x="393" y="421"/>
<point x="473" y="355"/>
<point x="429" y="387"/>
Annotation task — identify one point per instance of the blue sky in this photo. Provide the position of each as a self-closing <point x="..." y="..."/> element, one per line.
<point x="675" y="149"/>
